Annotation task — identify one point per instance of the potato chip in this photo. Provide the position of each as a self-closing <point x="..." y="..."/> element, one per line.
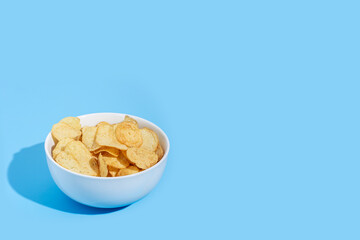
<point x="95" y="147"/>
<point x="73" y="122"/>
<point x="150" y="139"/>
<point x="112" y="171"/>
<point x="105" y="136"/>
<point x="130" y="119"/>
<point x="142" y="157"/>
<point x="78" y="150"/>
<point x="124" y="162"/>
<point x="128" y="171"/>
<point x="102" y="166"/>
<point x="82" y="155"/>
<point x="60" y="146"/>
<point x="62" y="130"/>
<point x="94" y="164"/>
<point x="112" y="151"/>
<point x="159" y="152"/>
<point x="102" y="123"/>
<point x="124" y="153"/>
<point x="114" y="127"/>
<point x="129" y="134"/>
<point x="67" y="161"/>
<point x="88" y="136"/>
<point x="116" y="162"/>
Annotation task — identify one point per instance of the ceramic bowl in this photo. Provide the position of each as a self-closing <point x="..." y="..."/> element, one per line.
<point x="108" y="192"/>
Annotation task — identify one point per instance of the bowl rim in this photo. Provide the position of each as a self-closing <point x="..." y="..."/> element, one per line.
<point x="116" y="177"/>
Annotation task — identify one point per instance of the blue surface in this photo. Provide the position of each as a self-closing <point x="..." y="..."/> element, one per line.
<point x="260" y="101"/>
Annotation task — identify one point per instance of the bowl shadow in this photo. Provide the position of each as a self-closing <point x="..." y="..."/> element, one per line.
<point x="29" y="176"/>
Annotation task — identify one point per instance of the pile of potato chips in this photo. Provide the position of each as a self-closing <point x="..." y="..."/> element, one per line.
<point x="105" y="150"/>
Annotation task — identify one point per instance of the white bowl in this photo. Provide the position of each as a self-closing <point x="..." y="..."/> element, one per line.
<point x="108" y="192"/>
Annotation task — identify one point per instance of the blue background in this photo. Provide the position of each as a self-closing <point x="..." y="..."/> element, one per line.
<point x="260" y="100"/>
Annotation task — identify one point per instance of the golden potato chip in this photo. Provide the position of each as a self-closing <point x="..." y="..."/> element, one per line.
<point x="78" y="150"/>
<point x="88" y="136"/>
<point x="116" y="162"/>
<point x="128" y="171"/>
<point x="129" y="134"/>
<point x="73" y="122"/>
<point x="142" y="157"/>
<point x="130" y="119"/>
<point x="111" y="168"/>
<point x="94" y="164"/>
<point x="112" y="171"/>
<point x="82" y="155"/>
<point x="105" y="136"/>
<point x="124" y="153"/>
<point x="62" y="130"/>
<point x="124" y="162"/>
<point x="112" y="151"/>
<point x="150" y="139"/>
<point x="111" y="160"/>
<point x="102" y="123"/>
<point x="95" y="146"/>
<point x="159" y="151"/>
<point x="102" y="166"/>
<point x="60" y="146"/>
<point x="67" y="161"/>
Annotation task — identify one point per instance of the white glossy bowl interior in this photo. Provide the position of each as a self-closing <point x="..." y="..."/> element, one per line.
<point x="107" y="192"/>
